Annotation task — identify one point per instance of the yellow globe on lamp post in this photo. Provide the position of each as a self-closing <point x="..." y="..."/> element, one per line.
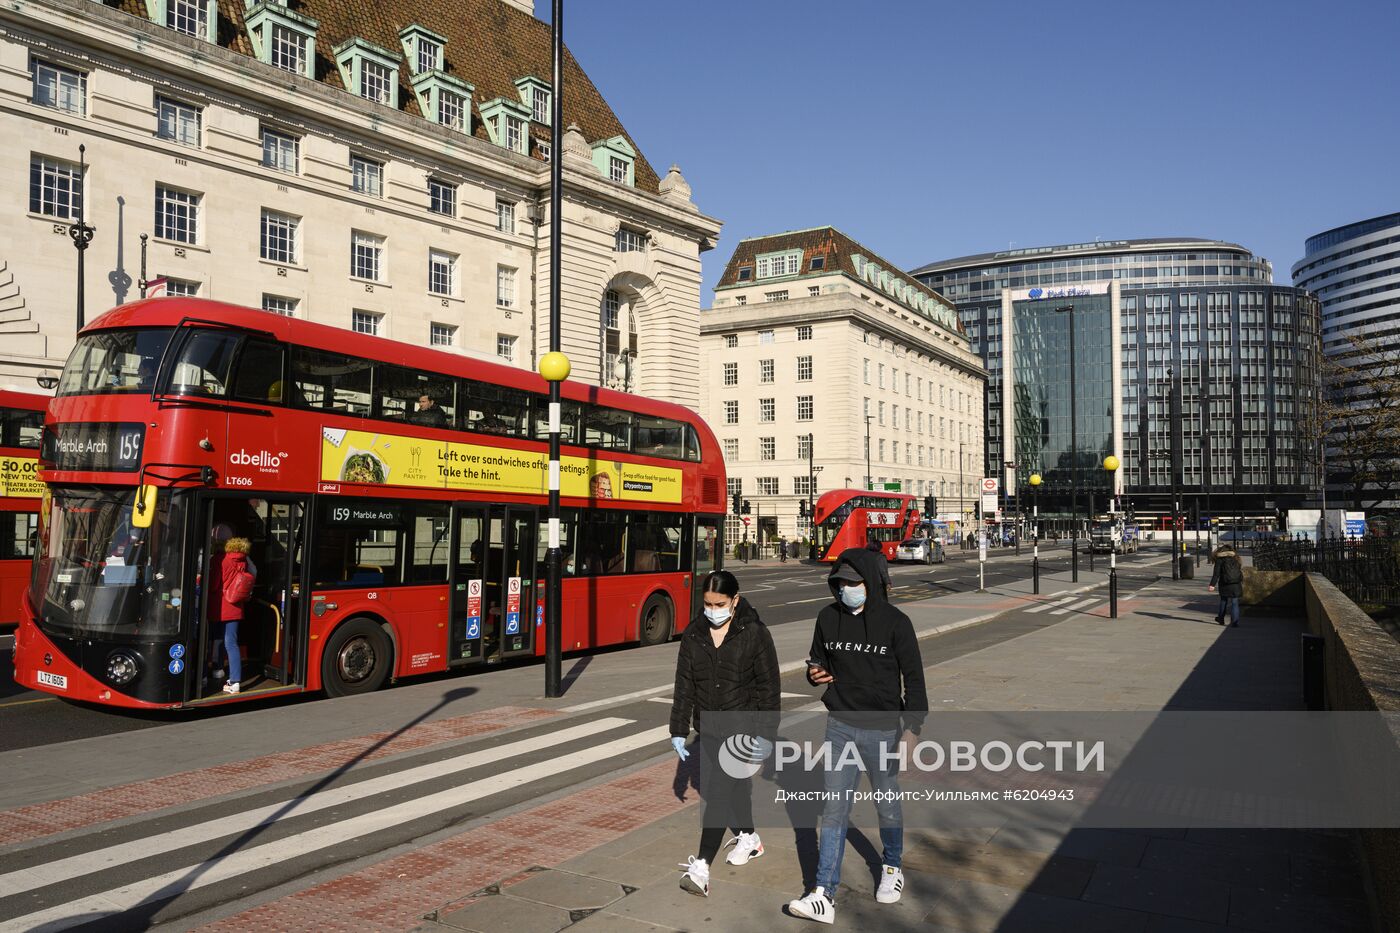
<point x="1035" y="521"/>
<point x="555" y="366"/>
<point x="1111" y="464"/>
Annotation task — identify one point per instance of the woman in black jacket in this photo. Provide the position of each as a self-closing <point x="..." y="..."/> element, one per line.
<point x="727" y="663"/>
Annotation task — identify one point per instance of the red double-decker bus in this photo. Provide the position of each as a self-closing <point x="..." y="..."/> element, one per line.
<point x="848" y="518"/>
<point x="21" y="420"/>
<point x="392" y="496"/>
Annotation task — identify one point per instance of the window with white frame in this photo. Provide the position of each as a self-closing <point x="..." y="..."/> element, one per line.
<point x="60" y="88"/>
<point x="181" y="288"/>
<point x="428" y="52"/>
<point x="612" y="309"/>
<point x="630" y="241"/>
<point x="734" y="485"/>
<point x="731" y="374"/>
<point x="442" y="335"/>
<point x="367" y="176"/>
<point x="804" y="369"/>
<point x="442" y="273"/>
<point x="804" y="408"/>
<point x="804" y="446"/>
<point x="767" y="409"/>
<point x="731" y="448"/>
<point x="505" y="216"/>
<point x="802" y="485"/>
<point x="366" y="322"/>
<point x="505" y="347"/>
<point x="375" y="81"/>
<point x="452" y="109"/>
<point x="731" y="341"/>
<point x="617" y="170"/>
<point x="288" y="49"/>
<point x="768" y="448"/>
<point x="765" y="336"/>
<point x="741" y="299"/>
<point x="778" y="264"/>
<point x="505" y="287"/>
<point x="544" y="150"/>
<point x="515" y="134"/>
<point x="765" y="370"/>
<point x="366" y="256"/>
<point x="814" y="291"/>
<point x="442" y="197"/>
<point x="781" y="295"/>
<point x="804" y="332"/>
<point x="539" y="104"/>
<point x="276" y="304"/>
<point x="188" y="16"/>
<point x="177" y="122"/>
<point x="280" y="150"/>
<point x="55" y="188"/>
<point x="177" y="215"/>
<point x="731" y="411"/>
<point x="278" y="240"/>
<point x="767" y="485"/>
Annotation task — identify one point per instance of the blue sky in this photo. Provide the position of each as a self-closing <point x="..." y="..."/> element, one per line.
<point x="928" y="130"/>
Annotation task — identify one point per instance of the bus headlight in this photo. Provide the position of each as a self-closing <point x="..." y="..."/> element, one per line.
<point x="121" y="668"/>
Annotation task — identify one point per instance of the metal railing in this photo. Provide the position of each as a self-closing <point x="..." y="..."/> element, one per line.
<point x="1366" y="569"/>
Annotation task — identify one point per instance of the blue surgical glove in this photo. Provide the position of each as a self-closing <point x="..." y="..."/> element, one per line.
<point x="678" y="743"/>
<point x="763" y="748"/>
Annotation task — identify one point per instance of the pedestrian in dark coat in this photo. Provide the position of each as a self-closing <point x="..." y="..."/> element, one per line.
<point x="727" y="665"/>
<point x="1228" y="577"/>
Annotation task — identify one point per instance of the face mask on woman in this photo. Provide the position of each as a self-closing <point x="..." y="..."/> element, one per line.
<point x="718" y="616"/>
<point x="853" y="596"/>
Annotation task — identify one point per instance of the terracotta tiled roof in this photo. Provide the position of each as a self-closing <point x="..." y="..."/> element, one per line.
<point x="490" y="45"/>
<point x="837" y="248"/>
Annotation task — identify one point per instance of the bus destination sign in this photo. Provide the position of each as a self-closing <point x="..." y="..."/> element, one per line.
<point x="98" y="447"/>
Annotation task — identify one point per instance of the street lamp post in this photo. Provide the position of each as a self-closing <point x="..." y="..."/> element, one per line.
<point x="1172" y="457"/>
<point x="1073" y="453"/>
<point x="869" y="479"/>
<point x="1035" y="525"/>
<point x="962" y="506"/>
<point x="1111" y="464"/>
<point x="1015" y="487"/>
<point x="81" y="232"/>
<point x="812" y="496"/>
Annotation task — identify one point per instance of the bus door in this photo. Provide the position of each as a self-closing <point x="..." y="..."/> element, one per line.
<point x="520" y="528"/>
<point x="493" y="584"/>
<point x="467" y="626"/>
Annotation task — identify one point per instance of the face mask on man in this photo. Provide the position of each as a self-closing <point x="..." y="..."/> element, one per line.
<point x="853" y="596"/>
<point x="718" y="616"/>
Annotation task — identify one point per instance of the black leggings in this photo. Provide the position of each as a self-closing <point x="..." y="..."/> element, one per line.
<point x="728" y="802"/>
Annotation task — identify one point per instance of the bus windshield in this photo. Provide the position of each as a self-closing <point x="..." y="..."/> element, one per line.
<point x="96" y="572"/>
<point x="114" y="361"/>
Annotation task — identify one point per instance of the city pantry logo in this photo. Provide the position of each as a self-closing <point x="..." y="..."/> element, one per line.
<point x="742" y="756"/>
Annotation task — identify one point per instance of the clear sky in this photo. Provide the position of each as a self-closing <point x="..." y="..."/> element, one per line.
<point x="928" y="130"/>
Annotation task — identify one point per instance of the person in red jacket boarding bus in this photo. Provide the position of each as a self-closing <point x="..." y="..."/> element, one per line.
<point x="237" y="587"/>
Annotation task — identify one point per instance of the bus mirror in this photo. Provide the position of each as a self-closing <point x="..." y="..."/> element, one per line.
<point x="143" y="512"/>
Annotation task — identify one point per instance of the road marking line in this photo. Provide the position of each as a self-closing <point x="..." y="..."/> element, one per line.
<point x="1043" y="606"/>
<point x="819" y="599"/>
<point x="17" y="882"/>
<point x="26" y="702"/>
<point x="620" y="698"/>
<point x="222" y="868"/>
<point x="788" y="695"/>
<point x="1074" y="607"/>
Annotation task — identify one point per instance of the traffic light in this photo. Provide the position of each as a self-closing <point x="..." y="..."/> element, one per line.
<point x="802" y="508"/>
<point x="746" y="507"/>
<point x="736" y="504"/>
<point x="930" y="507"/>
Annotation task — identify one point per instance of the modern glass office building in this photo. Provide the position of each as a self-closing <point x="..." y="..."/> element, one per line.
<point x="1202" y="315"/>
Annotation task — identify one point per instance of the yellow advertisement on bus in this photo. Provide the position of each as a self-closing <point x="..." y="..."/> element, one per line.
<point x="397" y="460"/>
<point x="19" y="478"/>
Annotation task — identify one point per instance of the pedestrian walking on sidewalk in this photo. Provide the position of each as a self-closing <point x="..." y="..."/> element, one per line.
<point x="863" y="651"/>
<point x="881" y="565"/>
<point x="1228" y="577"/>
<point x="782" y="549"/>
<point x="727" y="665"/>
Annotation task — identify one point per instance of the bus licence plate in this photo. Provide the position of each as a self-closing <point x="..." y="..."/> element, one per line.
<point x="52" y="680"/>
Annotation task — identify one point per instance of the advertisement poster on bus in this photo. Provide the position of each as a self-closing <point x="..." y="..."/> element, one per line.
<point x="19" y="477"/>
<point x="396" y="460"/>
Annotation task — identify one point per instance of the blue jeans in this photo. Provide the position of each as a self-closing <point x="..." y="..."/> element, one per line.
<point x="1229" y="604"/>
<point x="235" y="659"/>
<point x="842" y="782"/>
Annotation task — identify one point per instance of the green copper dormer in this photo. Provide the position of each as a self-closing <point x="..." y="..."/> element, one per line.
<point x="198" y="18"/>
<point x="508" y="122"/>
<point x="536" y="95"/>
<point x="281" y="37"/>
<point x="369" y="71"/>
<point x="444" y="100"/>
<point x="616" y="160"/>
<point x="423" y="48"/>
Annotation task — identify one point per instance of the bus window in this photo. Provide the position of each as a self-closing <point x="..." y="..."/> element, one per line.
<point x="204" y="363"/>
<point x="430" y="548"/>
<point x="659" y="437"/>
<point x="20" y="427"/>
<point x="654" y="543"/>
<point x="602" y="538"/>
<point x="569" y="414"/>
<point x="494" y="409"/>
<point x="258" y="377"/>
<point x="114" y="361"/>
<point x="331" y="381"/>
<point x="692" y="444"/>
<point x="356" y="556"/>
<point x="607" y="428"/>
<point x="567" y="520"/>
<point x="418" y="398"/>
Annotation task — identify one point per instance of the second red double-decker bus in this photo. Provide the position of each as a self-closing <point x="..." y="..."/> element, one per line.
<point x="392" y="497"/>
<point x="21" y="420"/>
<point x="847" y="518"/>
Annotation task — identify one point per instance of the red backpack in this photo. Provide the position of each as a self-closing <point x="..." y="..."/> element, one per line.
<point x="238" y="585"/>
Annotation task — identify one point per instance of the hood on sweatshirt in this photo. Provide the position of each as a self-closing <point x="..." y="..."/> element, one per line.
<point x="864" y="562"/>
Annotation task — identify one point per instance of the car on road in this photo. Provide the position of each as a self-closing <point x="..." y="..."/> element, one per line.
<point x="923" y="550"/>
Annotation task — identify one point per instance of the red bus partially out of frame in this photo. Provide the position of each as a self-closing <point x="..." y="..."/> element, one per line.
<point x="21" y="419"/>
<point x="392" y="496"/>
<point x="847" y="518"/>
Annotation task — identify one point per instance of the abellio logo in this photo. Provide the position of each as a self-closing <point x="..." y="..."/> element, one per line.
<point x="741" y="756"/>
<point x="263" y="458"/>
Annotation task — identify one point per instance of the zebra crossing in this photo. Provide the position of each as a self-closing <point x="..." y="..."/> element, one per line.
<point x="171" y="863"/>
<point x="1076" y="603"/>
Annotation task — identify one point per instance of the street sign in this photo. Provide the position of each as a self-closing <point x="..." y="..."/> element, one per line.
<point x="990" y="486"/>
<point x="745" y="519"/>
<point x="1356" y="524"/>
<point x="892" y="487"/>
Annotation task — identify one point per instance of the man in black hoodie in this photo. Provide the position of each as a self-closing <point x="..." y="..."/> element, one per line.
<point x="863" y="649"/>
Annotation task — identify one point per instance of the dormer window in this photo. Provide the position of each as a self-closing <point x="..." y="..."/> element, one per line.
<point x="429" y="56"/>
<point x="536" y="95"/>
<point x="775" y="265"/>
<point x="616" y="160"/>
<point x="506" y="120"/>
<point x="444" y="100"/>
<point x="191" y="17"/>
<point x="282" y="38"/>
<point x="423" y="48"/>
<point x="369" y="71"/>
<point x="450" y="109"/>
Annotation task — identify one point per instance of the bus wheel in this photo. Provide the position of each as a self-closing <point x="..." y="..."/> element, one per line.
<point x="356" y="659"/>
<point x="657" y="618"/>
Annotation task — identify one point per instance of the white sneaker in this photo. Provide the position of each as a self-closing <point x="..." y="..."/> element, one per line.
<point x="891" y="885"/>
<point x="231" y="688"/>
<point x="746" y="846"/>
<point x="696" y="879"/>
<point x="814" y="906"/>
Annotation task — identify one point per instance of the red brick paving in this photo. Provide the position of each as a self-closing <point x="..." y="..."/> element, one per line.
<point x="113" y="803"/>
<point x="395" y="894"/>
